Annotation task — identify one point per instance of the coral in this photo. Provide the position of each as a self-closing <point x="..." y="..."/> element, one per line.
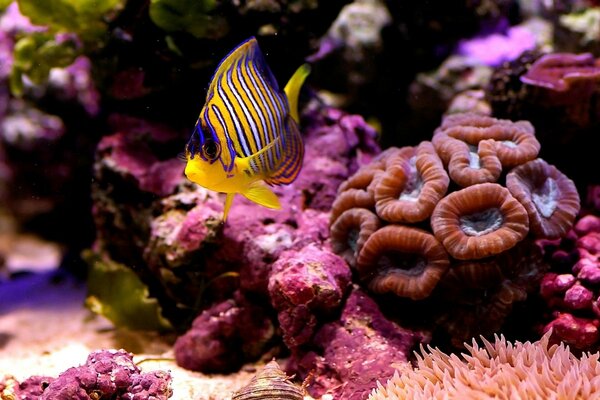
<point x="463" y="143"/>
<point x="105" y="374"/>
<point x="477" y="236"/>
<point x="408" y="191"/>
<point x="561" y="72"/>
<point x="558" y="94"/>
<point x="497" y="369"/>
<point x="479" y="296"/>
<point x="550" y="198"/>
<point x="505" y="46"/>
<point x="355" y="351"/>
<point x="479" y="221"/>
<point x="413" y="277"/>
<point x="223" y="336"/>
<point x="570" y="288"/>
<point x="303" y="285"/>
<point x="350" y="232"/>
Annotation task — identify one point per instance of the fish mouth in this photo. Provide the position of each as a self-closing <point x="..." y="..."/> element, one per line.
<point x="203" y="178"/>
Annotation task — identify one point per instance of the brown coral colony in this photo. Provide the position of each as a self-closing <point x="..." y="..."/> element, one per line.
<point x="373" y="216"/>
<point x="403" y="260"/>
<point x="551" y="199"/>
<point x="479" y="221"/>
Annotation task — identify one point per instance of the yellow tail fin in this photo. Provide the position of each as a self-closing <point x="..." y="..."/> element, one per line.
<point x="292" y="89"/>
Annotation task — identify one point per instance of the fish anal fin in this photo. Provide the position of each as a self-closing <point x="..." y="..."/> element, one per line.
<point x="262" y="195"/>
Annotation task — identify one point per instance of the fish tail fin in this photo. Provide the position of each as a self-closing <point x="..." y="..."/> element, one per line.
<point x="262" y="195"/>
<point x="293" y="155"/>
<point x="292" y="89"/>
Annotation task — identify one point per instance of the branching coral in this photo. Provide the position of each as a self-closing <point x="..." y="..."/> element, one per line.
<point x="480" y="233"/>
<point x="497" y="369"/>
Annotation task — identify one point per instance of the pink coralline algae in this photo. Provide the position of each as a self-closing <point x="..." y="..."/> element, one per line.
<point x="106" y="374"/>
<point x="356" y="351"/>
<point x="303" y="285"/>
<point x="223" y="336"/>
<point x="570" y="289"/>
<point x="147" y="214"/>
<point x="444" y="216"/>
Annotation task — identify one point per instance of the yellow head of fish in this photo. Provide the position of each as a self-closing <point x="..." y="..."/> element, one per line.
<point x="247" y="131"/>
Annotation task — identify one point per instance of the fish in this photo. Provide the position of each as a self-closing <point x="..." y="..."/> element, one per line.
<point x="247" y="136"/>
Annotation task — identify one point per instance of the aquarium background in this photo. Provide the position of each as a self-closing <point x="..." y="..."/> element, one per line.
<point x="100" y="228"/>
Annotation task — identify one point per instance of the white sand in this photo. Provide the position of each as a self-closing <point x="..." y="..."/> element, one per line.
<point x="44" y="329"/>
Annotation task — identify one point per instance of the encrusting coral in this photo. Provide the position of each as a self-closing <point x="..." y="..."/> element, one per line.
<point x="496" y="370"/>
<point x="444" y="213"/>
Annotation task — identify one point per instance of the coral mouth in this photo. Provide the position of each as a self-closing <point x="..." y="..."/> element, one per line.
<point x="481" y="223"/>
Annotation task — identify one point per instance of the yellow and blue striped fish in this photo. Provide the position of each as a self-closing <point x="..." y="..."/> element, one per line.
<point x="247" y="131"/>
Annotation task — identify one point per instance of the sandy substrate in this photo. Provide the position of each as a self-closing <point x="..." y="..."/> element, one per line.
<point x="44" y="329"/>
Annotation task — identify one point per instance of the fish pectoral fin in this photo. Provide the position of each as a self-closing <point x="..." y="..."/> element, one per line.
<point x="262" y="195"/>
<point x="258" y="158"/>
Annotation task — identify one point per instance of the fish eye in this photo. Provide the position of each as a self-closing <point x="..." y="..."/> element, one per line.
<point x="210" y="149"/>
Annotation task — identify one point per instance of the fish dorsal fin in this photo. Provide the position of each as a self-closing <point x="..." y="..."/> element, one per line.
<point x="249" y="49"/>
<point x="292" y="89"/>
<point x="231" y="59"/>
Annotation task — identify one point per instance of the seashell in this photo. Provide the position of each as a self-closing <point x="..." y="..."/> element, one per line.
<point x="270" y="383"/>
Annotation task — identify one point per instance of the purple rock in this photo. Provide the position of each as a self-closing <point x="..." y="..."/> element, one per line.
<point x="356" y="351"/>
<point x="108" y="374"/>
<point x="589" y="223"/>
<point x="224" y="336"/>
<point x="580" y="333"/>
<point x="75" y="82"/>
<point x="260" y="252"/>
<point x="578" y="297"/>
<point x="6" y="56"/>
<point x="131" y="156"/>
<point x="588" y="270"/>
<point x="33" y="387"/>
<point x="154" y="385"/>
<point x="13" y="22"/>
<point x="553" y="284"/>
<point x="589" y="245"/>
<point x="305" y="282"/>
